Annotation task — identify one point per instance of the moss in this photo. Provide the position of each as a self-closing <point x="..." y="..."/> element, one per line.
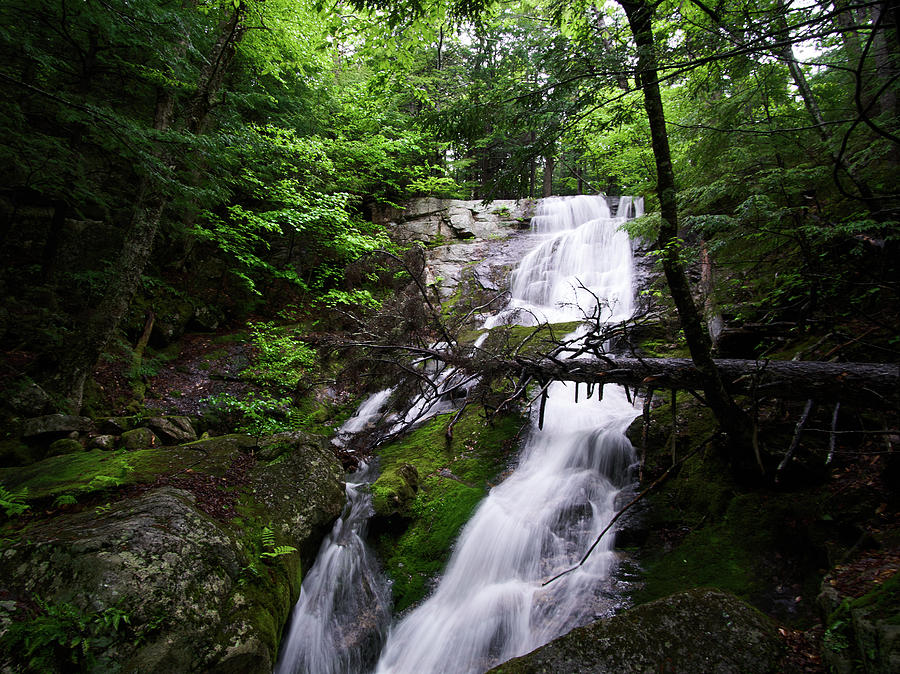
<point x="453" y="477"/>
<point x="661" y="347"/>
<point x="320" y="416"/>
<point x="97" y="470"/>
<point x="706" y="529"/>
<point x="858" y="634"/>
<point x="535" y="340"/>
<point x="232" y="338"/>
<point x="75" y="474"/>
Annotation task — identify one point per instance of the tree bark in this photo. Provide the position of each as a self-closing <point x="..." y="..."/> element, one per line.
<point x="866" y="384"/>
<point x="82" y="350"/>
<point x="549" y="164"/>
<point x="729" y="416"/>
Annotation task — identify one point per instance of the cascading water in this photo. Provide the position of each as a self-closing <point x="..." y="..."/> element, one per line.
<point x="491" y="604"/>
<point x="340" y="621"/>
<point x="583" y="258"/>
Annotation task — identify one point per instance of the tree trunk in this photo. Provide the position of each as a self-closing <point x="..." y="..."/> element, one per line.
<point x="549" y="164"/>
<point x="861" y="384"/>
<point x="786" y="52"/>
<point x="80" y="353"/>
<point x="729" y="416"/>
<point x="886" y="66"/>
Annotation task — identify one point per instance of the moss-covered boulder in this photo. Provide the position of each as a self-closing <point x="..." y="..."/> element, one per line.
<point x="182" y="559"/>
<point x="700" y="630"/>
<point x="140" y="438"/>
<point x="64" y="446"/>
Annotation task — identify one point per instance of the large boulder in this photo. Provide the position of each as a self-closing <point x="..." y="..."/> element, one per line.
<point x="699" y="630"/>
<point x="164" y="577"/>
<point x="173" y="429"/>
<point x="54" y="425"/>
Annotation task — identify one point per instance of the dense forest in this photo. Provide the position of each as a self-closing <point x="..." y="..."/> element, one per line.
<point x="202" y="221"/>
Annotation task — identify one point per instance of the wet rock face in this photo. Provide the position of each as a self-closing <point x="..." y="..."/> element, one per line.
<point x="430" y="220"/>
<point x="696" y="631"/>
<point x="198" y="593"/>
<point x="471" y="246"/>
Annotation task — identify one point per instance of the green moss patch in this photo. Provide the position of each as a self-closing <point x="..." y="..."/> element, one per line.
<point x="453" y="477"/>
<point x="763" y="540"/>
<point x="708" y="529"/>
<point x="84" y="473"/>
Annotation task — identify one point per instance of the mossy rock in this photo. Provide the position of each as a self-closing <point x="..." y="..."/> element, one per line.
<point x="64" y="446"/>
<point x="863" y="634"/>
<point x="140" y="438"/>
<point x="700" y="630"/>
<point x="198" y="593"/>
<point x="705" y="528"/>
<point x="97" y="470"/>
<point x="528" y="340"/>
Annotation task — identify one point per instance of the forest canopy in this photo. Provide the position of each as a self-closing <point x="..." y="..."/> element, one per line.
<point x="228" y="154"/>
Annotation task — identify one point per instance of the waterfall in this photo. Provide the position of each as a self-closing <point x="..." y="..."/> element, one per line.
<point x="368" y="413"/>
<point x="491" y="604"/>
<point x="581" y="265"/>
<point x="340" y="621"/>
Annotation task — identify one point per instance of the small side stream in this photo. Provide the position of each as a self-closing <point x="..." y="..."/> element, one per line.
<point x="341" y="620"/>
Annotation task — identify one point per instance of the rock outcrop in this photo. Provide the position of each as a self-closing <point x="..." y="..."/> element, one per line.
<point x="177" y="559"/>
<point x="696" y="631"/>
<point x="431" y="220"/>
<point x="471" y="246"/>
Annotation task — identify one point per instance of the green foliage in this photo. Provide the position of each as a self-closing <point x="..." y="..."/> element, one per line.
<point x="13" y="502"/>
<point x="271" y="549"/>
<point x="280" y="358"/>
<point x="357" y="298"/>
<point x="255" y="413"/>
<point x="63" y="635"/>
<point x="65" y="500"/>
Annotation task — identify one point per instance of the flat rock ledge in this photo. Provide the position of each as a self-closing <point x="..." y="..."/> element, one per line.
<point x="700" y="630"/>
<point x="432" y="220"/>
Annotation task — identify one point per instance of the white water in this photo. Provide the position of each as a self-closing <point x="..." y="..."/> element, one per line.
<point x="491" y="604"/>
<point x="367" y="414"/>
<point x="340" y="621"/>
<point x="582" y="257"/>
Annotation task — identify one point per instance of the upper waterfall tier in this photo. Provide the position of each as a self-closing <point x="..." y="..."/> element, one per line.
<point x="582" y="266"/>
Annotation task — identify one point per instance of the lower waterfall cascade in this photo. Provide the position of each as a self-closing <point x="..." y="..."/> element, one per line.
<point x="491" y="605"/>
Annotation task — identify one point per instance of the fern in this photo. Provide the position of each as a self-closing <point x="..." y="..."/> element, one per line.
<point x="278" y="551"/>
<point x="268" y="541"/>
<point x="64" y="500"/>
<point x="12" y="503"/>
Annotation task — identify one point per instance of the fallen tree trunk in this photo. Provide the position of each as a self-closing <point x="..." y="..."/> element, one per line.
<point x="872" y="384"/>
